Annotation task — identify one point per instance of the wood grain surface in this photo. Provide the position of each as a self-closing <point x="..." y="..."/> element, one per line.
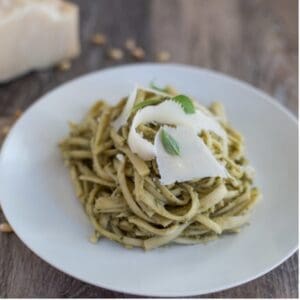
<point x="253" y="40"/>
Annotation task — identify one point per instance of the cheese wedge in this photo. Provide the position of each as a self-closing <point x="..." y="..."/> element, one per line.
<point x="36" y="34"/>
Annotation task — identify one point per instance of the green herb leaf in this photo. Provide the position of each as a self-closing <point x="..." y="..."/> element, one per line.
<point x="186" y="103"/>
<point x="154" y="87"/>
<point x="152" y="101"/>
<point x="169" y="143"/>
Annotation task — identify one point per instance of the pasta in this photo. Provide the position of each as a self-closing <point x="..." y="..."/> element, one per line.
<point x="122" y="193"/>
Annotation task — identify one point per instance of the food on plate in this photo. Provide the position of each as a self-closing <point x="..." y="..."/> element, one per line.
<point x="160" y="168"/>
<point x="36" y="34"/>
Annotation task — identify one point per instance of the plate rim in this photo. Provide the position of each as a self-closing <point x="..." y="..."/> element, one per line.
<point x="262" y="94"/>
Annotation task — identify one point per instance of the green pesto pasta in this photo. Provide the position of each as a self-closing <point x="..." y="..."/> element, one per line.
<point x="122" y="194"/>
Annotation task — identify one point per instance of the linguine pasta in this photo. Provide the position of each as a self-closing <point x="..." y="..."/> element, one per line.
<point x="124" y="198"/>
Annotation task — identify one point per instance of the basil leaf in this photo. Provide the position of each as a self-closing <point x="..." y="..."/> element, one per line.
<point x="169" y="143"/>
<point x="154" y="87"/>
<point x="152" y="101"/>
<point x="186" y="103"/>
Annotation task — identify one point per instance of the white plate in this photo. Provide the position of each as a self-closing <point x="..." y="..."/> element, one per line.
<point x="39" y="202"/>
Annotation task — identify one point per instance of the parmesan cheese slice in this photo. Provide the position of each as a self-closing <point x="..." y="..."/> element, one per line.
<point x="194" y="162"/>
<point x="156" y="92"/>
<point x="36" y="34"/>
<point x="122" y="119"/>
<point x="168" y="112"/>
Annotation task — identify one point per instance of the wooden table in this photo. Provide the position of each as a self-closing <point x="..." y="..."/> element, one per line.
<point x="254" y="40"/>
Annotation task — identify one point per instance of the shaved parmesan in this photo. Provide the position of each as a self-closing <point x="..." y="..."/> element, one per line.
<point x="156" y="92"/>
<point x="122" y="119"/>
<point x="168" y="112"/>
<point x="165" y="113"/>
<point x="194" y="162"/>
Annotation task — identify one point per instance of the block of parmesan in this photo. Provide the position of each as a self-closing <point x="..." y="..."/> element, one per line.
<point x="36" y="34"/>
